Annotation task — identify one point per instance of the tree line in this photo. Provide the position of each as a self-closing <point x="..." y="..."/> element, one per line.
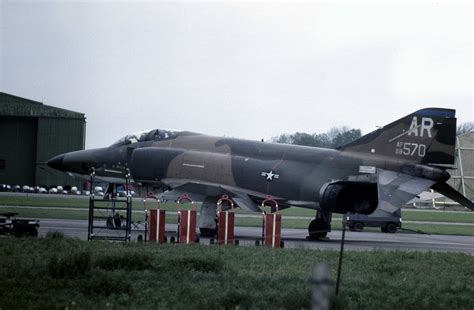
<point x="334" y="138"/>
<point x="339" y="136"/>
<point x="465" y="128"/>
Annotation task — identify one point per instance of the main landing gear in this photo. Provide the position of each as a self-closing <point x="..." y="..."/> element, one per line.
<point x="320" y="226"/>
<point x="207" y="219"/>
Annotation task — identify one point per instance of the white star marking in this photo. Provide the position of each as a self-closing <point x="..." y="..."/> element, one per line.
<point x="270" y="175"/>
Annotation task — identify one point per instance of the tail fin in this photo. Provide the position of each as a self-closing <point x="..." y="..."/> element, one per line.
<point x="426" y="136"/>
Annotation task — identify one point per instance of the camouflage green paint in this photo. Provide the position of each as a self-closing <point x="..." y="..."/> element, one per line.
<point x="415" y="148"/>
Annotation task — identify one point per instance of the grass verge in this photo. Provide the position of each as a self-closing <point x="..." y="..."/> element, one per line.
<point x="58" y="272"/>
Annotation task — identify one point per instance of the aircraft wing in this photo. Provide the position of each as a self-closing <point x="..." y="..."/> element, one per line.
<point x="245" y="199"/>
<point x="198" y="191"/>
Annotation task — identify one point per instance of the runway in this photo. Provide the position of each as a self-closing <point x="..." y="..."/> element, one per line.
<point x="295" y="238"/>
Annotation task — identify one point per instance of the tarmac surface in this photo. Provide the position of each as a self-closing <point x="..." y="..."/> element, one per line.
<point x="296" y="238"/>
<point x="259" y="216"/>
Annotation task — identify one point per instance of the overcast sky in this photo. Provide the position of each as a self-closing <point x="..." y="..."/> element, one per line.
<point x="236" y="69"/>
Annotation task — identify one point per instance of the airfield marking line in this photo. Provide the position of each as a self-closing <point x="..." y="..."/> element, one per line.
<point x="436" y="211"/>
<point x="439" y="223"/>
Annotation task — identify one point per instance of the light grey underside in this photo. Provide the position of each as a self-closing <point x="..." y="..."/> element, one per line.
<point x="395" y="189"/>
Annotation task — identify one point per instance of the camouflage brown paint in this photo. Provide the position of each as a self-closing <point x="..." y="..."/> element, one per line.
<point x="415" y="148"/>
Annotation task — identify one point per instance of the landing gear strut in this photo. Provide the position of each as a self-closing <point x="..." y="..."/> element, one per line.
<point x="207" y="219"/>
<point x="320" y="226"/>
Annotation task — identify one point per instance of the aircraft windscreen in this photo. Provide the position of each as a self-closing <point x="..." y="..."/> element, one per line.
<point x="146" y="135"/>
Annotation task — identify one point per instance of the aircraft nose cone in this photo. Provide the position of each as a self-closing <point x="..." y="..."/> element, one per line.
<point x="57" y="162"/>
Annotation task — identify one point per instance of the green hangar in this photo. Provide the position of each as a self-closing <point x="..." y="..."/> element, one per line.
<point x="462" y="178"/>
<point x="30" y="134"/>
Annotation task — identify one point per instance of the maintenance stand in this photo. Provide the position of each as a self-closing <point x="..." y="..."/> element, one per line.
<point x="106" y="222"/>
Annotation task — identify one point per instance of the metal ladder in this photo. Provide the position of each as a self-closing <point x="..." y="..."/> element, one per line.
<point x="113" y="226"/>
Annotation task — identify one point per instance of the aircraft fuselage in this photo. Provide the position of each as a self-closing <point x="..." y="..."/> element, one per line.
<point x="295" y="175"/>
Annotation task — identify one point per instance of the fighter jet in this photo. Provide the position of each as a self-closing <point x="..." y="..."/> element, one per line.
<point x="383" y="169"/>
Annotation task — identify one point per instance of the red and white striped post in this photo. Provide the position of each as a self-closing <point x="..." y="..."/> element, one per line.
<point x="225" y="221"/>
<point x="186" y="221"/>
<point x="272" y="224"/>
<point x="157" y="222"/>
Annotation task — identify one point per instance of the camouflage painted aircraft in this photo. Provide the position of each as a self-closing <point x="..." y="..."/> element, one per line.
<point x="384" y="169"/>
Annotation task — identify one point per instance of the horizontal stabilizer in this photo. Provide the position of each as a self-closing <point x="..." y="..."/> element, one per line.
<point x="453" y="194"/>
<point x="396" y="189"/>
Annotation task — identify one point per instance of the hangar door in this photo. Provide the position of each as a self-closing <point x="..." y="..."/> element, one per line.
<point x="17" y="150"/>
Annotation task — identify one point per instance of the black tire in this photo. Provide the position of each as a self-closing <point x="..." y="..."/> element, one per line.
<point x="282" y="244"/>
<point x="172" y="240"/>
<point x="391" y="228"/>
<point x="109" y="222"/>
<point x="18" y="233"/>
<point x="22" y="231"/>
<point x="140" y="238"/>
<point x="318" y="228"/>
<point x="236" y="242"/>
<point x="208" y="232"/>
<point x="384" y="229"/>
<point x="358" y="226"/>
<point x="257" y="242"/>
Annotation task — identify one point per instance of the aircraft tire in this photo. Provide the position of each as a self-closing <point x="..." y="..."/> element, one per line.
<point x="318" y="228"/>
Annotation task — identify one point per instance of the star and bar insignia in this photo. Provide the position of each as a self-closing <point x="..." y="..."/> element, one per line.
<point x="270" y="175"/>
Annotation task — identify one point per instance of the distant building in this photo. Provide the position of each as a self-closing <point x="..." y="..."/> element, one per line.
<point x="462" y="178"/>
<point x="30" y="134"/>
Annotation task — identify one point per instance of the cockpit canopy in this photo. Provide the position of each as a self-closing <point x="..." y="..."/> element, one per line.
<point x="146" y="135"/>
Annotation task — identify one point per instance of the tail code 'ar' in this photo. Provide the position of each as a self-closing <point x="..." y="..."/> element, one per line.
<point x="426" y="136"/>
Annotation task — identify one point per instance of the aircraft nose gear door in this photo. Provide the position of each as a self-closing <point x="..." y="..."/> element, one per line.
<point x="271" y="228"/>
<point x="225" y="219"/>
